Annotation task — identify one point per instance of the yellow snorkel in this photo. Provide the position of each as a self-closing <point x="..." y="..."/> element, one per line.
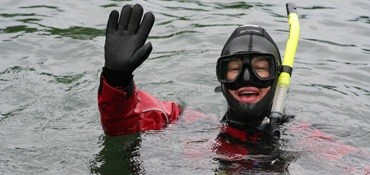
<point x="286" y="71"/>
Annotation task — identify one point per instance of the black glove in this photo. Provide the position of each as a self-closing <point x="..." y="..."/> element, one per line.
<point x="124" y="43"/>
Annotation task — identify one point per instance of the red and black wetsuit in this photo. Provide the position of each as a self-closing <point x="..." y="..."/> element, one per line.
<point x="124" y="113"/>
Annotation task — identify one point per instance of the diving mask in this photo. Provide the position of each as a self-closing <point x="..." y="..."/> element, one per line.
<point x="240" y="70"/>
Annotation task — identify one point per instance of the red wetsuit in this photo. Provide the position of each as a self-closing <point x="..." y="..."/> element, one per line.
<point x="141" y="112"/>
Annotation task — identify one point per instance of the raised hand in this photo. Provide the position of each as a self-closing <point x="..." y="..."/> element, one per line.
<point x="125" y="37"/>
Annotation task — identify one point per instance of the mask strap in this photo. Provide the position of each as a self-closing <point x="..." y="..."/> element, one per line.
<point x="218" y="89"/>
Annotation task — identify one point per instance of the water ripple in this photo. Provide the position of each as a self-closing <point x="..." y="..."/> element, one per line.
<point x="76" y="32"/>
<point x="331" y="43"/>
<point x="52" y="53"/>
<point x="11" y="15"/>
<point x="172" y="35"/>
<point x="42" y="6"/>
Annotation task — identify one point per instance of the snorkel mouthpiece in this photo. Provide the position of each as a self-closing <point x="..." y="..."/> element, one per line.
<point x="275" y="120"/>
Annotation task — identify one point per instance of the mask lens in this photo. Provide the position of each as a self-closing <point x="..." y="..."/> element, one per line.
<point x="229" y="69"/>
<point x="263" y="66"/>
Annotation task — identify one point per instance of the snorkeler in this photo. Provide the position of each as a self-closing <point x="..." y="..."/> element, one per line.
<point x="247" y="70"/>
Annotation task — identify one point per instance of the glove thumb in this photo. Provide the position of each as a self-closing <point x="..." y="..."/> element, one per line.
<point x="141" y="55"/>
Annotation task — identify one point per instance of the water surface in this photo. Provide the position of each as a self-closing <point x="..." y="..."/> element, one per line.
<point x="52" y="52"/>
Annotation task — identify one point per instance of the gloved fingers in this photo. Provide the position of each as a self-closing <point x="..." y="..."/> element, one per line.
<point x="112" y="21"/>
<point x="136" y="14"/>
<point x="146" y="25"/>
<point x="141" y="55"/>
<point x="125" y="17"/>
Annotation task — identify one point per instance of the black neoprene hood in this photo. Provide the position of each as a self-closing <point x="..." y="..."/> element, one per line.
<point x="249" y="40"/>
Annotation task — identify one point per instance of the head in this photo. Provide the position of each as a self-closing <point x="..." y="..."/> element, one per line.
<point x="248" y="70"/>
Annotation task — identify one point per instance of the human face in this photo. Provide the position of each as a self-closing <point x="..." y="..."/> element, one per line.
<point x="236" y="71"/>
<point x="249" y="94"/>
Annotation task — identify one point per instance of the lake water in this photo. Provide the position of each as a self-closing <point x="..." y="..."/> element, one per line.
<point x="51" y="56"/>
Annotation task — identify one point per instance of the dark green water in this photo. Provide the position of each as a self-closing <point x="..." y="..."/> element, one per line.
<point x="51" y="56"/>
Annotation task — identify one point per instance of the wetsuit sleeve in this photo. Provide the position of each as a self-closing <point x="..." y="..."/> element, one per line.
<point x="123" y="113"/>
<point x="116" y="110"/>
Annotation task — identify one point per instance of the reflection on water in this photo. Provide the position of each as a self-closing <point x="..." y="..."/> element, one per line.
<point x="201" y="153"/>
<point x="75" y="32"/>
<point x="119" y="155"/>
<point x="52" y="54"/>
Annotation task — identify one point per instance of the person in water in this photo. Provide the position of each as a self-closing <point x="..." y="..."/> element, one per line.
<point x="247" y="69"/>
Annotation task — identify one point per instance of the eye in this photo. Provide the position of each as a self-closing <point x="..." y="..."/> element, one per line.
<point x="261" y="67"/>
<point x="233" y="69"/>
<point x="234" y="66"/>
